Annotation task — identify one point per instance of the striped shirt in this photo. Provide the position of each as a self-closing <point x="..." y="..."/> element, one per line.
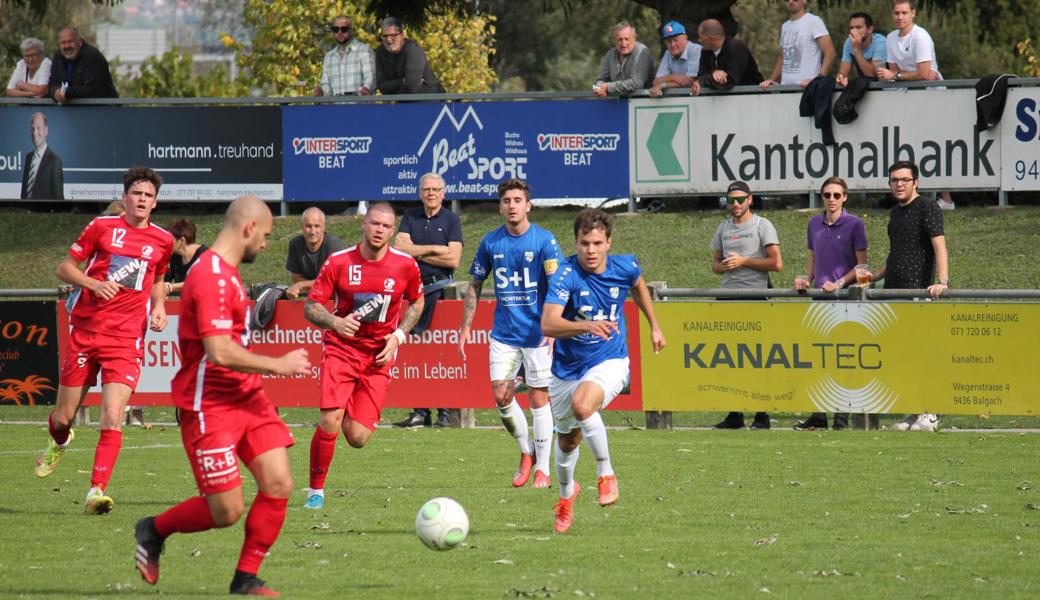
<point x="347" y="73"/>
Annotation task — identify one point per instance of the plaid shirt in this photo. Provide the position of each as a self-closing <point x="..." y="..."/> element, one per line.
<point x="348" y="73"/>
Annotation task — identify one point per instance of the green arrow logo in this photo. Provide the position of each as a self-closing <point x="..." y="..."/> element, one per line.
<point x="659" y="144"/>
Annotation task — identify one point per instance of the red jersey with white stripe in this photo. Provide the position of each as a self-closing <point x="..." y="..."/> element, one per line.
<point x="372" y="290"/>
<point x="213" y="302"/>
<point x="133" y="257"/>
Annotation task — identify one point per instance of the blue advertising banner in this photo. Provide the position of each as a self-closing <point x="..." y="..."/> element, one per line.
<point x="563" y="149"/>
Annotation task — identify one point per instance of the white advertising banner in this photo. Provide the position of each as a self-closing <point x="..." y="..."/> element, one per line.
<point x="1020" y="140"/>
<point x="698" y="145"/>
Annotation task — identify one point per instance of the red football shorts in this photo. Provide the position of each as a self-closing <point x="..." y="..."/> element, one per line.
<point x="118" y="359"/>
<point x="351" y="380"/>
<point x="216" y="438"/>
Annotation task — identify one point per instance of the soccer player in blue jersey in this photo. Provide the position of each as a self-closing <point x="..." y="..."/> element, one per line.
<point x="519" y="257"/>
<point x="584" y="312"/>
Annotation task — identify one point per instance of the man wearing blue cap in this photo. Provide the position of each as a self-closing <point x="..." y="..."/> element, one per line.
<point x="680" y="64"/>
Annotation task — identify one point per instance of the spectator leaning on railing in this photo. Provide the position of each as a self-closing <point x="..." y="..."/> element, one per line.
<point x="401" y="65"/>
<point x="626" y="67"/>
<point x="79" y="70"/>
<point x="725" y="61"/>
<point x="864" y="49"/>
<point x="350" y="67"/>
<point x="32" y="73"/>
<point x="806" y="49"/>
<point x="681" y="61"/>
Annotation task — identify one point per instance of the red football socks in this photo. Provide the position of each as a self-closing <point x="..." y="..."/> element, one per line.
<point x="263" y="524"/>
<point x="105" y="456"/>
<point x="323" y="447"/>
<point x="60" y="436"/>
<point x="187" y="517"/>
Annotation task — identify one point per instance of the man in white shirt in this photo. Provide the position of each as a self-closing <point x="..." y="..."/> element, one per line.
<point x="806" y="49"/>
<point x="32" y="73"/>
<point x="350" y="67"/>
<point x="911" y="51"/>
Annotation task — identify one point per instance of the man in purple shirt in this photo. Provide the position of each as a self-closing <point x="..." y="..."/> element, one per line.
<point x="837" y="243"/>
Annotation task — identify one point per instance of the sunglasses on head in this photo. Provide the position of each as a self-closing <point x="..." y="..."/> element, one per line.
<point x="835" y="195"/>
<point x="344" y="29"/>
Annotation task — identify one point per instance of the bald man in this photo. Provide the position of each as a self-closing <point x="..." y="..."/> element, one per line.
<point x="309" y="251"/>
<point x="725" y="61"/>
<point x="224" y="414"/>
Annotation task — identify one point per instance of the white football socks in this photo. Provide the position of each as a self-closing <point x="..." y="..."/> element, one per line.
<point x="515" y="422"/>
<point x="543" y="435"/>
<point x="565" y="463"/>
<point x="595" y="434"/>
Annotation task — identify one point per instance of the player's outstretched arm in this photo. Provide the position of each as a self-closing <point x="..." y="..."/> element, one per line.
<point x="554" y="325"/>
<point x="221" y="350"/>
<point x="469" y="310"/>
<point x="641" y="296"/>
<point x="69" y="272"/>
<point x="320" y="316"/>
<point x="395" y="338"/>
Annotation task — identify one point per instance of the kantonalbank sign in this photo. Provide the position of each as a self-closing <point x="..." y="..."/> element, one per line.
<point x="869" y="357"/>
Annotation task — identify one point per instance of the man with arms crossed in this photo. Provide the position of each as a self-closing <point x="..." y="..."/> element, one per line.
<point x="119" y="295"/>
<point x="224" y="413"/>
<point x="368" y="282"/>
<point x="917" y="253"/>
<point x="520" y="257"/>
<point x="584" y="311"/>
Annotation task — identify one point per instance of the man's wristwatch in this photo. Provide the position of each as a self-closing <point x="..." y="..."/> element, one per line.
<point x="899" y="76"/>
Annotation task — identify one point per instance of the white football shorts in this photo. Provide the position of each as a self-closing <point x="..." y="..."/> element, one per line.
<point x="611" y="375"/>
<point x="505" y="361"/>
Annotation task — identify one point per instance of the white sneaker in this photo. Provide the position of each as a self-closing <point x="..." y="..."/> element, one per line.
<point x="925" y="422"/>
<point x="905" y="424"/>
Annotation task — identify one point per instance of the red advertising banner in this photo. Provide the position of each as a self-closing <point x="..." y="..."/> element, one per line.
<point x="429" y="371"/>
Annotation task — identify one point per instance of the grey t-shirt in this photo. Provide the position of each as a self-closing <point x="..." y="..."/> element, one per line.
<point x="303" y="261"/>
<point x="748" y="239"/>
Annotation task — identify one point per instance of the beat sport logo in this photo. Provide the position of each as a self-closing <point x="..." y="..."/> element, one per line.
<point x="823" y="358"/>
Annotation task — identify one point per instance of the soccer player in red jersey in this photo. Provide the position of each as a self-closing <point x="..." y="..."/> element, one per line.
<point x="225" y="415"/>
<point x="119" y="295"/>
<point x="367" y="283"/>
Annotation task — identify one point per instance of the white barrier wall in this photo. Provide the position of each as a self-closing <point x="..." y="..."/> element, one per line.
<point x="698" y="145"/>
<point x="1020" y="140"/>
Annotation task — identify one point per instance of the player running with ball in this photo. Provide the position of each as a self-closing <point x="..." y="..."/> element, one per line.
<point x="585" y="312"/>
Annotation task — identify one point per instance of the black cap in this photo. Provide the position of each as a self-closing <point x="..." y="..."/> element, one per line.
<point x="738" y="186"/>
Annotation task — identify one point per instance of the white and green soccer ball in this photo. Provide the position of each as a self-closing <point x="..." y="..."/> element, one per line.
<point x="441" y="524"/>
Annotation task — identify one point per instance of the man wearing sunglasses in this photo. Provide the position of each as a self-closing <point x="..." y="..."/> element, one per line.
<point x="746" y="250"/>
<point x="348" y="69"/>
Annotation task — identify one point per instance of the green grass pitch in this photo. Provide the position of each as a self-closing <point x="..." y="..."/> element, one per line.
<point x="702" y="514"/>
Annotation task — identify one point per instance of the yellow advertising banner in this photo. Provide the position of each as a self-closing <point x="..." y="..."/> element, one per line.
<point x="859" y="357"/>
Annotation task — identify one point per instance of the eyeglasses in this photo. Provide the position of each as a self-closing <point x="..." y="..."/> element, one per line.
<point x="900" y="180"/>
<point x="428" y="190"/>
<point x="390" y="36"/>
<point x="344" y="29"/>
<point x="737" y="199"/>
<point x="835" y="195"/>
